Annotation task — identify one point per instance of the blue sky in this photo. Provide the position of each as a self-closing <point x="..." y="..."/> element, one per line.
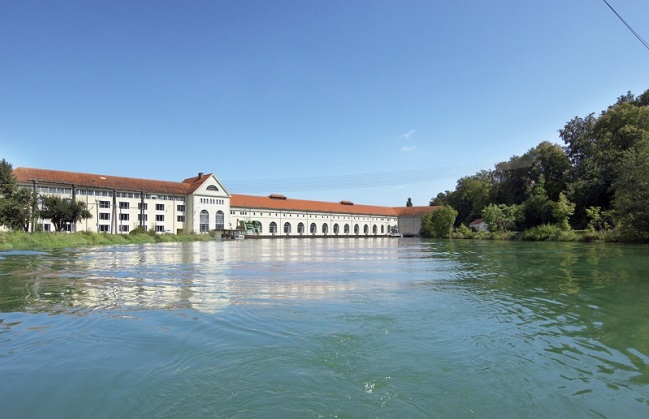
<point x="368" y="101"/>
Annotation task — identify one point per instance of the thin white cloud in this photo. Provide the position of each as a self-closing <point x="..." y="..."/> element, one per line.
<point x="410" y="148"/>
<point x="408" y="134"/>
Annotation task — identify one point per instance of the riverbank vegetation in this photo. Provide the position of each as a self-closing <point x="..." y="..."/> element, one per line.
<point x="20" y="240"/>
<point x="593" y="188"/>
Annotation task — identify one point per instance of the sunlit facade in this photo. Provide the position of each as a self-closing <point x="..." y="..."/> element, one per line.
<point x="201" y="204"/>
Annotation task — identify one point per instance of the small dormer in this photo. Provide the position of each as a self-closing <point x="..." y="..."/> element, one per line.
<point x="346" y="203"/>
<point x="277" y="196"/>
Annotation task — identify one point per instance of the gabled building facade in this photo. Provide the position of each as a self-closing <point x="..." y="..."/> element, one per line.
<point x="201" y="204"/>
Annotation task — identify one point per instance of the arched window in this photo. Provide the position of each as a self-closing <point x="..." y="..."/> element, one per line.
<point x="287" y="228"/>
<point x="356" y="229"/>
<point x="220" y="220"/>
<point x="313" y="228"/>
<point x="273" y="227"/>
<point x="325" y="228"/>
<point x="257" y="224"/>
<point x="382" y="229"/>
<point x="336" y="229"/>
<point x="346" y="229"/>
<point x="212" y="188"/>
<point x="374" y="230"/>
<point x="366" y="229"/>
<point x="300" y="228"/>
<point x="204" y="223"/>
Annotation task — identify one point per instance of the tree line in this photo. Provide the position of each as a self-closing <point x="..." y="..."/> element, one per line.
<point x="20" y="207"/>
<point x="598" y="181"/>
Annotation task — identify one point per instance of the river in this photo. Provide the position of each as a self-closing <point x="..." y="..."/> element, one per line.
<point x="371" y="327"/>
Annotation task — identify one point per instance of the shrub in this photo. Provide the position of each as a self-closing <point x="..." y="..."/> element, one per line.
<point x="137" y="230"/>
<point x="542" y="232"/>
<point x="462" y="232"/>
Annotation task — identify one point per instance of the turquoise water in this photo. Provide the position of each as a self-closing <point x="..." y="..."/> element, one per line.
<point x="326" y="328"/>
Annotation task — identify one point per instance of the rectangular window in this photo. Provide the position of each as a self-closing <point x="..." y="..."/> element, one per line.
<point x="159" y="228"/>
<point x="104" y="228"/>
<point x="104" y="204"/>
<point x="123" y="205"/>
<point x="180" y="208"/>
<point x="160" y="217"/>
<point x="181" y="219"/>
<point x="104" y="216"/>
<point x="123" y="217"/>
<point x="139" y="206"/>
<point x="123" y="228"/>
<point x="146" y="217"/>
<point x="159" y="207"/>
<point x="47" y="227"/>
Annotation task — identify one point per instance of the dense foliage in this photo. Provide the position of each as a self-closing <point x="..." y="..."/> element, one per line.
<point x="598" y="181"/>
<point x="17" y="205"/>
<point x="438" y="223"/>
<point x="62" y="211"/>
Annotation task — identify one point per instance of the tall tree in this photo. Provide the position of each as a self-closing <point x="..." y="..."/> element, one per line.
<point x="632" y="193"/>
<point x="438" y="223"/>
<point x="596" y="147"/>
<point x="502" y="217"/>
<point x="63" y="210"/>
<point x="17" y="205"/>
<point x="471" y="195"/>
<point x="7" y="179"/>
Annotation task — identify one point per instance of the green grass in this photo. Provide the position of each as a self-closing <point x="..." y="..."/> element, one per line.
<point x="19" y="240"/>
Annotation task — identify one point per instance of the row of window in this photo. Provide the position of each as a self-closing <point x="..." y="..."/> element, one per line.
<point x="54" y="190"/>
<point x="105" y="228"/>
<point x="51" y="190"/>
<point x="138" y="195"/>
<point x="213" y="201"/>
<point x="324" y="229"/>
<point x="125" y="217"/>
<point x="126" y="205"/>
<point x="326" y="217"/>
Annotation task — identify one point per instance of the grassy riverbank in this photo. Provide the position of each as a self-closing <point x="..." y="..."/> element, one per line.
<point x="22" y="241"/>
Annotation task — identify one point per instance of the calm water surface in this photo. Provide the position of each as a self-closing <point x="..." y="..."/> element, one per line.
<point x="326" y="328"/>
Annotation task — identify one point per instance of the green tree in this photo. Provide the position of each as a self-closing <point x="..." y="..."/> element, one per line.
<point x="17" y="205"/>
<point x="440" y="199"/>
<point x="596" y="146"/>
<point x="7" y="179"/>
<point x="515" y="181"/>
<point x="599" y="220"/>
<point x="16" y="211"/>
<point x="63" y="210"/>
<point x="470" y="196"/>
<point x="438" y="223"/>
<point x="537" y="210"/>
<point x="562" y="210"/>
<point x="632" y="193"/>
<point x="502" y="217"/>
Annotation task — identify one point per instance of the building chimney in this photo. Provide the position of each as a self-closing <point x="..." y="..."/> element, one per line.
<point x="200" y="175"/>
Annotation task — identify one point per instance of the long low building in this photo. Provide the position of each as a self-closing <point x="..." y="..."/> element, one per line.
<point x="201" y="204"/>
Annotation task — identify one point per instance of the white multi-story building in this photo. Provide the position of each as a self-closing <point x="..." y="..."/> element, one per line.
<point x="201" y="204"/>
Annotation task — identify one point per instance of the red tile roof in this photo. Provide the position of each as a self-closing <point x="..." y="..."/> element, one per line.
<point x="27" y="175"/>
<point x="195" y="182"/>
<point x="272" y="202"/>
<point x="289" y="204"/>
